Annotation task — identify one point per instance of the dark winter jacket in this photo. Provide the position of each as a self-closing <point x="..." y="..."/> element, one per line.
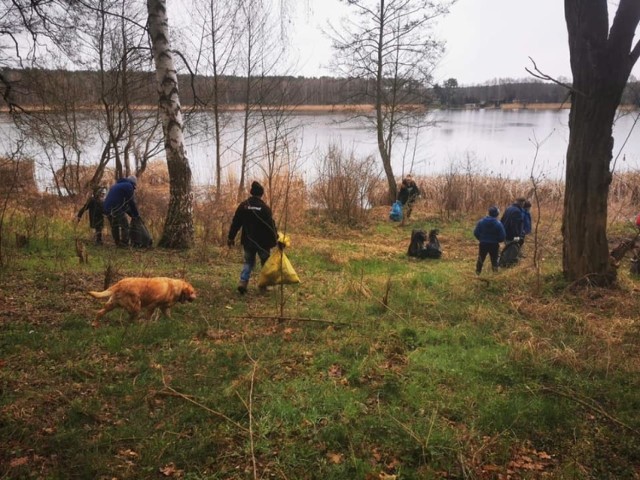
<point x="255" y="219"/>
<point x="513" y="221"/>
<point x="120" y="198"/>
<point x="489" y="230"/>
<point x="96" y="213"/>
<point x="408" y="193"/>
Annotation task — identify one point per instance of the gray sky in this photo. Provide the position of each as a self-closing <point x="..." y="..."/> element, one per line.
<point x="486" y="39"/>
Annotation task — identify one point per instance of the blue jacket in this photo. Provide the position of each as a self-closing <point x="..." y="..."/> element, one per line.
<point x="526" y="219"/>
<point x="513" y="221"/>
<point x="120" y="198"/>
<point x="489" y="230"/>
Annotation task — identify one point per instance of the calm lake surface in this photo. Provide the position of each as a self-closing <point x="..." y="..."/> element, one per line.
<point x="495" y="142"/>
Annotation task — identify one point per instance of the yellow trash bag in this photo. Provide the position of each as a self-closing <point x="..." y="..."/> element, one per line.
<point x="278" y="269"/>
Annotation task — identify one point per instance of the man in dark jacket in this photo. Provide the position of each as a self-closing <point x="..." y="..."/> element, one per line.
<point x="408" y="194"/>
<point x="259" y="232"/>
<point x="489" y="232"/>
<point x="96" y="213"/>
<point x="513" y="219"/>
<point x="118" y="204"/>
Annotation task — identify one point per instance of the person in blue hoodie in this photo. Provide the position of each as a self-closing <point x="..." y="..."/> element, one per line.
<point x="490" y="233"/>
<point x="119" y="203"/>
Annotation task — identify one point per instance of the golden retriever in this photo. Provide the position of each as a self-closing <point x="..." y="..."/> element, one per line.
<point x="136" y="294"/>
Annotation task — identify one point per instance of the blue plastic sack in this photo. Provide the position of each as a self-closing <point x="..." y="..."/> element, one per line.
<point x="396" y="211"/>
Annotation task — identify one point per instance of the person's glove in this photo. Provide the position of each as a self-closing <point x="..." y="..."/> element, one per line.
<point x="230" y="242"/>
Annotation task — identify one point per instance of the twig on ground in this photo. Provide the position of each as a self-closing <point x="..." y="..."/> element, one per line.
<point x="170" y="391"/>
<point x="590" y="404"/>
<point x="297" y="319"/>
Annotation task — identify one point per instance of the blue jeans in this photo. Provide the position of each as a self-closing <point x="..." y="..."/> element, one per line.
<point x="250" y="260"/>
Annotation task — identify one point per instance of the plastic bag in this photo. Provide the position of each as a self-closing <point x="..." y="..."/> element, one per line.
<point x="396" y="211"/>
<point x="278" y="270"/>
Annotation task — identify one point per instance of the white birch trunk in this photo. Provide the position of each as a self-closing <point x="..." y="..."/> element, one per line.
<point x="178" y="228"/>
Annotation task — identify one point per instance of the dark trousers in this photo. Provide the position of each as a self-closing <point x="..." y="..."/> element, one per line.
<point x="119" y="228"/>
<point x="492" y="249"/>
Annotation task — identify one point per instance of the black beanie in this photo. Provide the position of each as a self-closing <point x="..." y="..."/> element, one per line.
<point x="256" y="189"/>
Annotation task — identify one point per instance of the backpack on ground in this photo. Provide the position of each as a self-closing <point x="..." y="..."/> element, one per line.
<point x="396" y="211"/>
<point x="510" y="254"/>
<point x="139" y="234"/>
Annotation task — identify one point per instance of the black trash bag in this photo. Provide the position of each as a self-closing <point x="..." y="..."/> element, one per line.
<point x="417" y="247"/>
<point x="510" y="254"/>
<point x="433" y="249"/>
<point x="139" y="234"/>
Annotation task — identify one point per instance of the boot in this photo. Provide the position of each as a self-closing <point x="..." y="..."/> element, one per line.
<point x="242" y="286"/>
<point x="478" y="267"/>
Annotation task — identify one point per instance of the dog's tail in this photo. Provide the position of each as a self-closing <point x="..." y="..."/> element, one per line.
<point x="104" y="294"/>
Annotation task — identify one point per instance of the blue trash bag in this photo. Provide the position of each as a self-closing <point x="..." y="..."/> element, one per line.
<point x="396" y="211"/>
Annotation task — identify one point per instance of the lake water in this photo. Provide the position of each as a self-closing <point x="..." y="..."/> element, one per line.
<point x="495" y="142"/>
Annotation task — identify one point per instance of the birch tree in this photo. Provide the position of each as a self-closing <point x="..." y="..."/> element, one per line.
<point x="178" y="229"/>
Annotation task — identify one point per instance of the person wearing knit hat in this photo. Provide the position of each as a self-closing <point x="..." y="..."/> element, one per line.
<point x="259" y="233"/>
<point x="117" y="205"/>
<point x="256" y="190"/>
<point x="490" y="233"/>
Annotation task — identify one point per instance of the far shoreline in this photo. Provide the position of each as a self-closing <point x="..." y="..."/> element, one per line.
<point x="331" y="109"/>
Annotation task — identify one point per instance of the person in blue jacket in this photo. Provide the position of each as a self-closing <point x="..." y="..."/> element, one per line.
<point x="119" y="203"/>
<point x="513" y="219"/>
<point x="490" y="232"/>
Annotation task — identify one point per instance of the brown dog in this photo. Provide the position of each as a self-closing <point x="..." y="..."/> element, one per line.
<point x="136" y="294"/>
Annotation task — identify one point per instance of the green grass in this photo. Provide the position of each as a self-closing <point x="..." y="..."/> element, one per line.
<point x="456" y="377"/>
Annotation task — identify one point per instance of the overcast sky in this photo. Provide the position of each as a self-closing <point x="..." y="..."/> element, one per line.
<point x="485" y="39"/>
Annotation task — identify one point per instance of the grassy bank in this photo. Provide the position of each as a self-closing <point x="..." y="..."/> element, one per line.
<point x="383" y="367"/>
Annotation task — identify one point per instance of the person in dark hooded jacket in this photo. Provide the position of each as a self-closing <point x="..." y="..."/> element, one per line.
<point x="408" y="194"/>
<point x="96" y="213"/>
<point x="490" y="232"/>
<point x="259" y="233"/>
<point x="119" y="203"/>
<point x="513" y="219"/>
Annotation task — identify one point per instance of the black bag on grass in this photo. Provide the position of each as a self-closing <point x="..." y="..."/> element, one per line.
<point x="139" y="234"/>
<point x="433" y="249"/>
<point x="417" y="247"/>
<point x="510" y="254"/>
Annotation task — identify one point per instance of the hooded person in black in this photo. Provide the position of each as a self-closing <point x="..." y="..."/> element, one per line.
<point x="259" y="233"/>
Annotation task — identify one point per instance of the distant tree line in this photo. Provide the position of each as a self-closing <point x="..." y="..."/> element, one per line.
<point x="26" y="88"/>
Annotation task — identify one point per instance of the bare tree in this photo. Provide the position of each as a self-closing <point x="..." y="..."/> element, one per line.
<point x="601" y="61"/>
<point x="178" y="229"/>
<point x="130" y="136"/>
<point x="390" y="44"/>
<point x="216" y="57"/>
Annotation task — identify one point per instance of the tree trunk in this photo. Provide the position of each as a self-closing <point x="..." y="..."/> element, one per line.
<point x="601" y="61"/>
<point x="383" y="147"/>
<point x="178" y="227"/>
